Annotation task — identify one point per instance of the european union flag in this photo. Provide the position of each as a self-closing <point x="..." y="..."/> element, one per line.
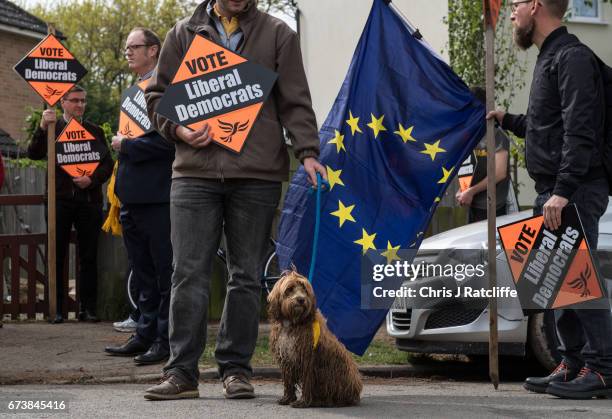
<point x="400" y="126"/>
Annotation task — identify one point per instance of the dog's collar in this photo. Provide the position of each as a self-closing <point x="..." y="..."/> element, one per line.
<point x="316" y="333"/>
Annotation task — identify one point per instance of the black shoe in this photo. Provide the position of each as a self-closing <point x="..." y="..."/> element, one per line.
<point x="133" y="346"/>
<point x="155" y="355"/>
<point x="57" y="320"/>
<point x="88" y="316"/>
<point x="587" y="385"/>
<point x="563" y="373"/>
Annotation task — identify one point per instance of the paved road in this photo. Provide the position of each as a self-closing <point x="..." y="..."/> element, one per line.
<point x="381" y="399"/>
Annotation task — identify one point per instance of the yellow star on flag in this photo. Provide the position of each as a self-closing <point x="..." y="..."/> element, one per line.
<point x="391" y="252"/>
<point x="366" y="241"/>
<point x="433" y="149"/>
<point x="377" y="125"/>
<point x="446" y="174"/>
<point x="343" y="213"/>
<point x="406" y="134"/>
<point x="333" y="177"/>
<point x="338" y="140"/>
<point x="353" y="122"/>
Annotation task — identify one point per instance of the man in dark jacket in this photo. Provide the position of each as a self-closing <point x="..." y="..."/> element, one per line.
<point x="215" y="191"/>
<point x="143" y="187"/>
<point x="79" y="203"/>
<point x="563" y="131"/>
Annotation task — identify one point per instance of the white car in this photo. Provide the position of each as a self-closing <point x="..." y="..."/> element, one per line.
<point x="446" y="327"/>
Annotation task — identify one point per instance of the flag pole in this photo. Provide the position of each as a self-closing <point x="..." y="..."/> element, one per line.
<point x="491" y="191"/>
<point x="51" y="212"/>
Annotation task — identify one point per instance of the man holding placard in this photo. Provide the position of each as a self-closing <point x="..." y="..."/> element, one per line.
<point x="208" y="95"/>
<point x="564" y="132"/>
<point x="143" y="187"/>
<point x="84" y="163"/>
<point x="472" y="193"/>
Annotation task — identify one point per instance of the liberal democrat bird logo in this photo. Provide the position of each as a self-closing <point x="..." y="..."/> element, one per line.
<point x="231" y="129"/>
<point x="580" y="283"/>
<point x="83" y="172"/>
<point x="50" y="92"/>
<point x="127" y="131"/>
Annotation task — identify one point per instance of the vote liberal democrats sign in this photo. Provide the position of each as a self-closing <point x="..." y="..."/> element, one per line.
<point x="50" y="69"/>
<point x="218" y="87"/>
<point x="552" y="268"/>
<point x="77" y="151"/>
<point x="133" y="119"/>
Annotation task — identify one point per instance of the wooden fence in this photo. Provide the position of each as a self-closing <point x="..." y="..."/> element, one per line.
<point x="25" y="290"/>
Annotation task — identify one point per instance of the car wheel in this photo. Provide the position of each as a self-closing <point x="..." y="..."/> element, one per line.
<point x="543" y="339"/>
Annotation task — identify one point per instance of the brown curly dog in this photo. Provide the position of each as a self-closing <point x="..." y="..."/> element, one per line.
<point x="309" y="355"/>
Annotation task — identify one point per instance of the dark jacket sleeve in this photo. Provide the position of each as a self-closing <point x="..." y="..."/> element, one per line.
<point x="148" y="147"/>
<point x="37" y="149"/>
<point x="517" y="124"/>
<point x="293" y="98"/>
<point x="105" y="169"/>
<point x="169" y="61"/>
<point x="579" y="89"/>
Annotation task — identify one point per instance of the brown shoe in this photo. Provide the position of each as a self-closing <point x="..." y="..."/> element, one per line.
<point x="237" y="387"/>
<point x="172" y="388"/>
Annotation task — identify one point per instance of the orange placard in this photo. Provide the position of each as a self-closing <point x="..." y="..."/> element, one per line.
<point x="50" y="69"/>
<point x="133" y="118"/>
<point x="77" y="151"/>
<point x="551" y="269"/>
<point x="218" y="87"/>
<point x="465" y="182"/>
<point x="466" y="172"/>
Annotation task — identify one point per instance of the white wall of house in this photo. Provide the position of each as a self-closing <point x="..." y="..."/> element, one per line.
<point x="330" y="30"/>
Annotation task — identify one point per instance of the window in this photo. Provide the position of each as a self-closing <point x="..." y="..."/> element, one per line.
<point x="585" y="11"/>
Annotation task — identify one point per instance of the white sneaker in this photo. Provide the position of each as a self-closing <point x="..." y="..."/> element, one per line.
<point x="127" y="326"/>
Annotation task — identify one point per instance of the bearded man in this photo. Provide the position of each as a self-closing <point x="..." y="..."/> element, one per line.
<point x="564" y="132"/>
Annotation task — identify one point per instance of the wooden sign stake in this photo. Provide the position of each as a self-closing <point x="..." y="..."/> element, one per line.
<point x="51" y="214"/>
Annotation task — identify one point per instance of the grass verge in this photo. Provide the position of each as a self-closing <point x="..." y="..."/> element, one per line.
<point x="382" y="351"/>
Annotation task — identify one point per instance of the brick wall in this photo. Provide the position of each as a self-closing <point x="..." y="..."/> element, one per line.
<point x="15" y="94"/>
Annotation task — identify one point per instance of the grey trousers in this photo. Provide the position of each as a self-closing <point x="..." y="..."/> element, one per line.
<point x="200" y="210"/>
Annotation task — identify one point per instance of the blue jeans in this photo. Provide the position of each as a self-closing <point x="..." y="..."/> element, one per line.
<point x="200" y="210"/>
<point x="585" y="334"/>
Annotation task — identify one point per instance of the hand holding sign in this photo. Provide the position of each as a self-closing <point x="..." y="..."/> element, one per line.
<point x="117" y="140"/>
<point x="82" y="182"/>
<point x="464" y="198"/>
<point x="552" y="211"/>
<point x="199" y="138"/>
<point x="48" y="117"/>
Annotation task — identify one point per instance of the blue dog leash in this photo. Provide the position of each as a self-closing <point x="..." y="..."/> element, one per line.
<point x="321" y="184"/>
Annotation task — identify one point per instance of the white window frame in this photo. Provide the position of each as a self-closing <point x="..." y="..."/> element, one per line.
<point x="583" y="19"/>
